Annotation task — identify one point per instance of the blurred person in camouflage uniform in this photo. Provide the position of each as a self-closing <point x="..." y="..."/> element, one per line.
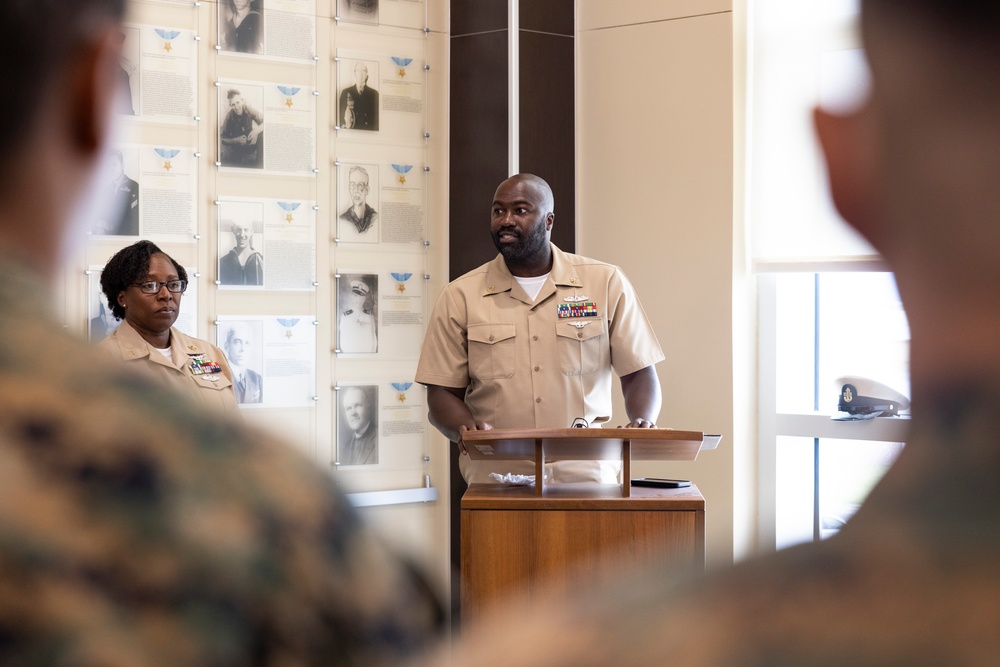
<point x="135" y="528"/>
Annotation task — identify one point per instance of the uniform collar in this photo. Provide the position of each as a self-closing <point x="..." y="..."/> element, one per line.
<point x="133" y="346"/>
<point x="499" y="278"/>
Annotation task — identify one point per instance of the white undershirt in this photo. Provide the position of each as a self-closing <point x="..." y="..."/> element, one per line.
<point x="164" y="351"/>
<point x="532" y="285"/>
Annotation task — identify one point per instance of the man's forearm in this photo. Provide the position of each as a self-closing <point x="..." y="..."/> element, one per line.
<point x="448" y="412"/>
<point x="642" y="395"/>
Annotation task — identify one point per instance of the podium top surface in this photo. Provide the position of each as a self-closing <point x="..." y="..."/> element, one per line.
<point x="574" y="444"/>
<point x="581" y="497"/>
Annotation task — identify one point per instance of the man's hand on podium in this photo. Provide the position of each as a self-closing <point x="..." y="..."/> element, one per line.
<point x="640" y="422"/>
<point x="642" y="397"/>
<point x="479" y="426"/>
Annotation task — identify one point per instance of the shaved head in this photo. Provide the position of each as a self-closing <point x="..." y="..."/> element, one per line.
<point x="546" y="199"/>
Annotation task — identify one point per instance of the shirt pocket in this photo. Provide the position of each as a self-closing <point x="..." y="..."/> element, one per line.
<point x="211" y="381"/>
<point x="491" y="351"/>
<point x="580" y="349"/>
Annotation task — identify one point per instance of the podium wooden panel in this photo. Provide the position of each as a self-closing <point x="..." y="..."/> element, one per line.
<point x="516" y="539"/>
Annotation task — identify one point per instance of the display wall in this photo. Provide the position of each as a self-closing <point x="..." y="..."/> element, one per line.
<point x="295" y="165"/>
<point x="662" y="178"/>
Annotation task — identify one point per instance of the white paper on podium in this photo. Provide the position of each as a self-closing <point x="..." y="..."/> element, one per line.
<point x="710" y="441"/>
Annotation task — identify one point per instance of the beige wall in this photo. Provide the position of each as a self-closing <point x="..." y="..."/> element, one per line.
<point x="655" y="196"/>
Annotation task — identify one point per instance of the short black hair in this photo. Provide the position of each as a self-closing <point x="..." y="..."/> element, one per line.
<point x="37" y="37"/>
<point x="127" y="266"/>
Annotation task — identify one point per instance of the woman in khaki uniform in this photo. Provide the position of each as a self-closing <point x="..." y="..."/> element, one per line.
<point x="143" y="286"/>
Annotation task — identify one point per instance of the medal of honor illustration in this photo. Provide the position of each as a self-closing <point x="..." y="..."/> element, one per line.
<point x="402" y="388"/>
<point x="167" y="154"/>
<point x="289" y="92"/>
<point x="402" y="170"/>
<point x="168" y="37"/>
<point x="401" y="279"/>
<point x="288" y="323"/>
<point x="289" y="207"/>
<point x="402" y="63"/>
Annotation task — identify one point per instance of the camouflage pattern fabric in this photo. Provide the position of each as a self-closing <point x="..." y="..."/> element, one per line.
<point x="137" y="529"/>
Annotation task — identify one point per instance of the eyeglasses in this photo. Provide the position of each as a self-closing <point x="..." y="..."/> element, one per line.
<point x="153" y="286"/>
<point x="357" y="186"/>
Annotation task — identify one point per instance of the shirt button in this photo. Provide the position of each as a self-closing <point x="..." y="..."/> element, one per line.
<point x="579" y="334"/>
<point x="534" y="338"/>
<point x="538" y="400"/>
<point x="537" y="369"/>
<point x="491" y="339"/>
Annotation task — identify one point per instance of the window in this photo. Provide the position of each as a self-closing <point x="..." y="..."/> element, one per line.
<point x="821" y="327"/>
<point x="827" y="307"/>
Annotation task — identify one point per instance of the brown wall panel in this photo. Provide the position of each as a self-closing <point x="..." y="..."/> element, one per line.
<point x="479" y="146"/>
<point x="547" y="142"/>
<point x="554" y="16"/>
<point x="474" y="16"/>
<point x="479" y="141"/>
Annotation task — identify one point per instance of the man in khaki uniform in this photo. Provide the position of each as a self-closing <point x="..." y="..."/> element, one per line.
<point x="912" y="579"/>
<point x="529" y="340"/>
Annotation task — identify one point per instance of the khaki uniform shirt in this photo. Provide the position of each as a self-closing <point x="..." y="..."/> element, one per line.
<point x="214" y="390"/>
<point x="541" y="363"/>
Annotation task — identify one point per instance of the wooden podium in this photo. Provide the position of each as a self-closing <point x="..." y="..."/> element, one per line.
<point x="566" y="536"/>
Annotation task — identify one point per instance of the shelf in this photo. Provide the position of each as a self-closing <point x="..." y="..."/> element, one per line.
<point x="816" y="425"/>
